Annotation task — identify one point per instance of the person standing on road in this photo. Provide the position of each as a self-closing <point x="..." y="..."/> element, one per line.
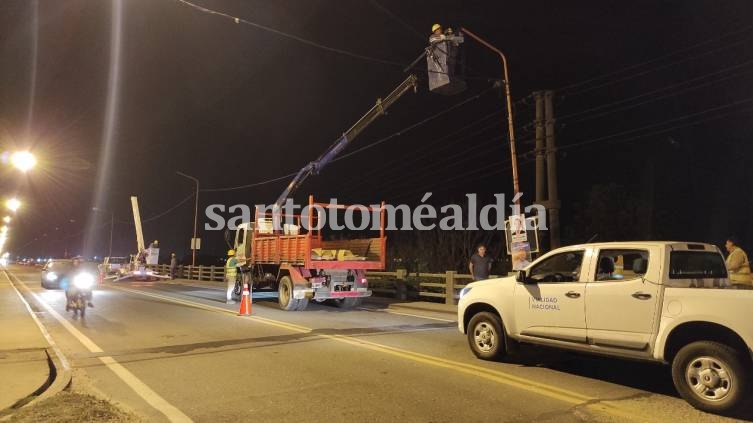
<point x="231" y="273"/>
<point x="173" y="266"/>
<point x="738" y="266"/>
<point x="480" y="264"/>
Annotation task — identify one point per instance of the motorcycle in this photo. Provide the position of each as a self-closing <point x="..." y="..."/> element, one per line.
<point x="80" y="293"/>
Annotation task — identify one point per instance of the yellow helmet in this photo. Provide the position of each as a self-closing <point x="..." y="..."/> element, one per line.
<point x="435" y="27"/>
<point x="231" y="252"/>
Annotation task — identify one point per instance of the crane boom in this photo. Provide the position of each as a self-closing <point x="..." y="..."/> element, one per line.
<point x="313" y="168"/>
<point x="137" y="223"/>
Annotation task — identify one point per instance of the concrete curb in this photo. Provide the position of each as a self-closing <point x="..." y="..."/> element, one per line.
<point x="60" y="375"/>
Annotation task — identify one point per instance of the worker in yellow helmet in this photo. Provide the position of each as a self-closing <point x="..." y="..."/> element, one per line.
<point x="436" y="33"/>
<point x="231" y="273"/>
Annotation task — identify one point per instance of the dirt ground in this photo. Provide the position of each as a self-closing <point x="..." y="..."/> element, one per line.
<point x="71" y="407"/>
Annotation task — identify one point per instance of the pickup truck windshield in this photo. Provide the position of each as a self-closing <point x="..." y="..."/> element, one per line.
<point x="696" y="265"/>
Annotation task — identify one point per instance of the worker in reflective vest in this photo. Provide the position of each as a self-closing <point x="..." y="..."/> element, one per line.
<point x="231" y="272"/>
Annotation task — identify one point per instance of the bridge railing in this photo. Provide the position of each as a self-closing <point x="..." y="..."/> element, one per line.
<point x="399" y="284"/>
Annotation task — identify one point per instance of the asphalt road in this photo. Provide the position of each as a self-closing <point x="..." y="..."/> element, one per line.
<point x="177" y="353"/>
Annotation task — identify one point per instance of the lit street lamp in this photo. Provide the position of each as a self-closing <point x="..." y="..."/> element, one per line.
<point x="13" y="204"/>
<point x="23" y="160"/>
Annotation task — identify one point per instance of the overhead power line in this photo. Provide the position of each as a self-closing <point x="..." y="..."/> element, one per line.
<point x="366" y="147"/>
<point x="670" y="91"/>
<point x="566" y="88"/>
<point x="399" y="20"/>
<point x="239" y="20"/>
<point x="659" y="124"/>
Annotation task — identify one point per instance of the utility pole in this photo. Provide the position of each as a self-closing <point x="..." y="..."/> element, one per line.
<point x="553" y="203"/>
<point x="195" y="217"/>
<point x="508" y="99"/>
<point x="540" y="150"/>
<point x="112" y="226"/>
<point x="112" y="223"/>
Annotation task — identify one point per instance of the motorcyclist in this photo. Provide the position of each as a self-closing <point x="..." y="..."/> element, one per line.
<point x="70" y="288"/>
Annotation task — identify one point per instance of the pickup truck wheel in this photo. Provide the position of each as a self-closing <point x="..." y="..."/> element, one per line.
<point x="485" y="336"/>
<point x="285" y="298"/>
<point x="712" y="377"/>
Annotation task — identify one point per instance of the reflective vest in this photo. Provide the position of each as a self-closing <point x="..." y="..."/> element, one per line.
<point x="231" y="268"/>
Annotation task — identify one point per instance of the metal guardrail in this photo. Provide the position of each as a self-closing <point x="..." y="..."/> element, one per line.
<point x="399" y="284"/>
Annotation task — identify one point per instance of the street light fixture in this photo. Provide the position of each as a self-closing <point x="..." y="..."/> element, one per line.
<point x="13" y="204"/>
<point x="195" y="216"/>
<point x="23" y="160"/>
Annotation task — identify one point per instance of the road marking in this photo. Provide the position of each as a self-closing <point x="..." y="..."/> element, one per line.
<point x="564" y="395"/>
<point x="172" y="413"/>
<point x="374" y="310"/>
<point x="45" y="333"/>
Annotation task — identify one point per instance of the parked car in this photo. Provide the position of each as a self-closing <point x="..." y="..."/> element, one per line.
<point x="666" y="302"/>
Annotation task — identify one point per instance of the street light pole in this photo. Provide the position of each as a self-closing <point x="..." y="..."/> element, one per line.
<point x="195" y="216"/>
<point x="508" y="97"/>
<point x="112" y="224"/>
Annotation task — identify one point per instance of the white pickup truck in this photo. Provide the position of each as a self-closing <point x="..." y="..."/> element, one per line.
<point x="667" y="302"/>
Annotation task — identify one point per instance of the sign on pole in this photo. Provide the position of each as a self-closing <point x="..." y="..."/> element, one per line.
<point x="196" y="243"/>
<point x="516" y="231"/>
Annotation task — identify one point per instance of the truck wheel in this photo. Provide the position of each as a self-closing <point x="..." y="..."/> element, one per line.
<point x="285" y="298"/>
<point x="485" y="336"/>
<point x="348" y="302"/>
<point x="302" y="304"/>
<point x="712" y="377"/>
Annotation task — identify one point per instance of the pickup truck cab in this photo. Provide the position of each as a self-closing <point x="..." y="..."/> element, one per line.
<point x="667" y="302"/>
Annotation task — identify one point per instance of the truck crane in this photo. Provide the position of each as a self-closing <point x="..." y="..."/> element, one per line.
<point x="138" y="266"/>
<point x="296" y="260"/>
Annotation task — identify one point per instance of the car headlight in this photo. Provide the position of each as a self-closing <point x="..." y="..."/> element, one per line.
<point x="83" y="281"/>
<point x="465" y="290"/>
<point x="51" y="277"/>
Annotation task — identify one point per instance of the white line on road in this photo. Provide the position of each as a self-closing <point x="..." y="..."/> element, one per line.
<point x="172" y="413"/>
<point x="45" y="333"/>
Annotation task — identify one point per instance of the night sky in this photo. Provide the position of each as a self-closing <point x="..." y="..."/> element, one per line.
<point x="652" y="97"/>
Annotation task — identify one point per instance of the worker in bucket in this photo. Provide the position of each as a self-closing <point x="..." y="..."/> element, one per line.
<point x="436" y="33"/>
<point x="231" y="273"/>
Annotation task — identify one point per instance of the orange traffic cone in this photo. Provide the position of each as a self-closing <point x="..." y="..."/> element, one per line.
<point x="245" y="302"/>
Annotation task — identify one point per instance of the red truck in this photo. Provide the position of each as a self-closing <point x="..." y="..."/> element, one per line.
<point x="303" y="266"/>
<point x="299" y="263"/>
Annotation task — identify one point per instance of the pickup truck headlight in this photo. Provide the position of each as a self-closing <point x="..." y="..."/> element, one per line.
<point x="465" y="290"/>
